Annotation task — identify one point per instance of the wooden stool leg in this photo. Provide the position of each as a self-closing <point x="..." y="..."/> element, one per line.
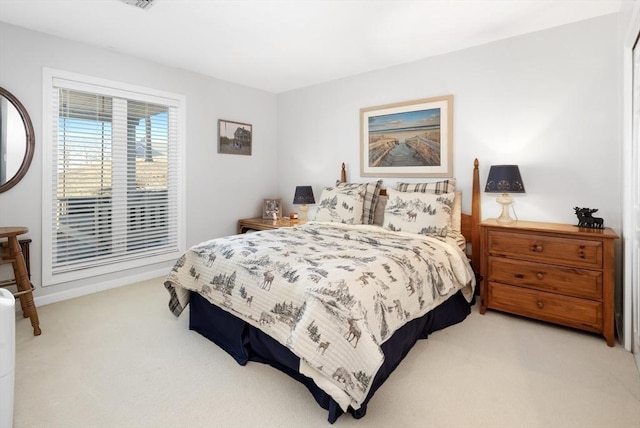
<point x="22" y="281"/>
<point x="23" y="304"/>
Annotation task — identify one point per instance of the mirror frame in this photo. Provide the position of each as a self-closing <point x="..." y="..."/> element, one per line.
<point x="28" y="129"/>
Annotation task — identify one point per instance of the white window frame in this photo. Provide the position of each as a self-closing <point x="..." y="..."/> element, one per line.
<point x="55" y="78"/>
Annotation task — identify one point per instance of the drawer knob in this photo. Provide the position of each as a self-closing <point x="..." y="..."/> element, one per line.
<point x="539" y="304"/>
<point x="537" y="248"/>
<point x="539" y="275"/>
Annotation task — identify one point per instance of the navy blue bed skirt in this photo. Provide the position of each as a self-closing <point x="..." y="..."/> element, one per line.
<point x="246" y="343"/>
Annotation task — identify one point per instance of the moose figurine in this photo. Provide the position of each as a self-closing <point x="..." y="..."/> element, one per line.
<point x="585" y="219"/>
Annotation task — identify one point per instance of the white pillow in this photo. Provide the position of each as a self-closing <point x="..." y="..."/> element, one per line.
<point x="456" y="212"/>
<point x="415" y="212"/>
<point x="455" y="229"/>
<point x="341" y="204"/>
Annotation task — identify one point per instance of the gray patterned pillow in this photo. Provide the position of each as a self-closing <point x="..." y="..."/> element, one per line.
<point x="437" y="187"/>
<point x="415" y="212"/>
<point x="370" y="199"/>
<point x="341" y="204"/>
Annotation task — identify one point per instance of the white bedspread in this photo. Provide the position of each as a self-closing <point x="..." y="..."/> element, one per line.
<point x="331" y="293"/>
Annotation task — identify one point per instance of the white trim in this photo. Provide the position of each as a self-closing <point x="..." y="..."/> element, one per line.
<point x="83" y="82"/>
<point x="102" y="286"/>
<point x="631" y="291"/>
<point x="47" y="138"/>
<point x="62" y="278"/>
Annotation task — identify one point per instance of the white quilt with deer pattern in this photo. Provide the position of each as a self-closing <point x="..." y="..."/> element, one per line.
<point x="329" y="292"/>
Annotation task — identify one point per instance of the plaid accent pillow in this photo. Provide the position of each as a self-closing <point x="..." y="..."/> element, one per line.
<point x="378" y="218"/>
<point x="437" y="187"/>
<point x="370" y="198"/>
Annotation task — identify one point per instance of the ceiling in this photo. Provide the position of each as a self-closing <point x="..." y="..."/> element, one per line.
<point x="280" y="45"/>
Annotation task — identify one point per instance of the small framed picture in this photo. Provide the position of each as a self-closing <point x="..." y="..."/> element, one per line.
<point x="272" y="209"/>
<point x="234" y="138"/>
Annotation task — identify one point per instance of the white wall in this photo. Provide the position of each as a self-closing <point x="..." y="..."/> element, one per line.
<point x="220" y="188"/>
<point x="547" y="101"/>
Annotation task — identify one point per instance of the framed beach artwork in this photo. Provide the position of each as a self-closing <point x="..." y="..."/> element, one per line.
<point x="234" y="138"/>
<point x="409" y="139"/>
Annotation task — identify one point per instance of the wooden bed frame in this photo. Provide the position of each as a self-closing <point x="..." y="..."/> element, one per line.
<point x="470" y="223"/>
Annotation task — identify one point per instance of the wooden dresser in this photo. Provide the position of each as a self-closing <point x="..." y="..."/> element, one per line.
<point x="552" y="272"/>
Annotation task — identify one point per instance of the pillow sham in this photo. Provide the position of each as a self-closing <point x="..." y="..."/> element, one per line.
<point x="341" y="204"/>
<point x="437" y="187"/>
<point x="370" y="198"/>
<point x="456" y="212"/>
<point x="455" y="228"/>
<point x="415" y="212"/>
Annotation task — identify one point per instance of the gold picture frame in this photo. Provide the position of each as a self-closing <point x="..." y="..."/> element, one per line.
<point x="408" y="139"/>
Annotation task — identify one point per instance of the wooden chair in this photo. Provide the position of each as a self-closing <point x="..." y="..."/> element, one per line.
<point x="12" y="253"/>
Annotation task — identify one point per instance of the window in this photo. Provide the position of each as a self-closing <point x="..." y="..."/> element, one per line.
<point x="112" y="180"/>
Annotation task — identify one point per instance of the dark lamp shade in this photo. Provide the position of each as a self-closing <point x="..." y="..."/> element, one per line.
<point x="504" y="179"/>
<point x="304" y="195"/>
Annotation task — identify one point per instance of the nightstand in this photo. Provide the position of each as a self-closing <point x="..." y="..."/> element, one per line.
<point x="552" y="272"/>
<point x="247" y="224"/>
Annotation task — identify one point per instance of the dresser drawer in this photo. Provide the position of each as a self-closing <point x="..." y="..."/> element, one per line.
<point x="559" y="279"/>
<point x="569" y="311"/>
<point x="549" y="249"/>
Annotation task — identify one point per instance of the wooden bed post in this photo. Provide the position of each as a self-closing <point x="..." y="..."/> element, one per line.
<point x="343" y="173"/>
<point x="475" y="218"/>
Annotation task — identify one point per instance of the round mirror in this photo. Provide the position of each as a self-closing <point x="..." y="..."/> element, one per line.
<point x="16" y="140"/>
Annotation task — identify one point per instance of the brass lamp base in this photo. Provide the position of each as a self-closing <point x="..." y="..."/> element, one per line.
<point x="302" y="218"/>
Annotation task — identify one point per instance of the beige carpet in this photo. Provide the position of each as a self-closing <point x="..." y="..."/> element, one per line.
<point x="120" y="359"/>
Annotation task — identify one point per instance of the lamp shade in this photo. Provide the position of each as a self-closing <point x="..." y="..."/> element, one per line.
<point x="504" y="179"/>
<point x="304" y="195"/>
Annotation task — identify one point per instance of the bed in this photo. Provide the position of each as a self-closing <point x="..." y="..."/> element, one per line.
<point x="337" y="305"/>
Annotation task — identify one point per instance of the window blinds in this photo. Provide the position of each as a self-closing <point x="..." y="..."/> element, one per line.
<point x="115" y="179"/>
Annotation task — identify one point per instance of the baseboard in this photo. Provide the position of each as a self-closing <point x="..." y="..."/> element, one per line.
<point x="95" y="288"/>
<point x="619" y="326"/>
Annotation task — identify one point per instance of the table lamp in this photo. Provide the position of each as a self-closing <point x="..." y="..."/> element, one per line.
<point x="303" y="196"/>
<point x="504" y="179"/>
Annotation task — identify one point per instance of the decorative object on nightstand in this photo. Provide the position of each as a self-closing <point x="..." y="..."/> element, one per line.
<point x="585" y="218"/>
<point x="302" y="197"/>
<point x="504" y="179"/>
<point x="271" y="209"/>
<point x="551" y="272"/>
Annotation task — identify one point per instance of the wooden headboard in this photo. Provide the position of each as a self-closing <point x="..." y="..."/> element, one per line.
<point x="470" y="222"/>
